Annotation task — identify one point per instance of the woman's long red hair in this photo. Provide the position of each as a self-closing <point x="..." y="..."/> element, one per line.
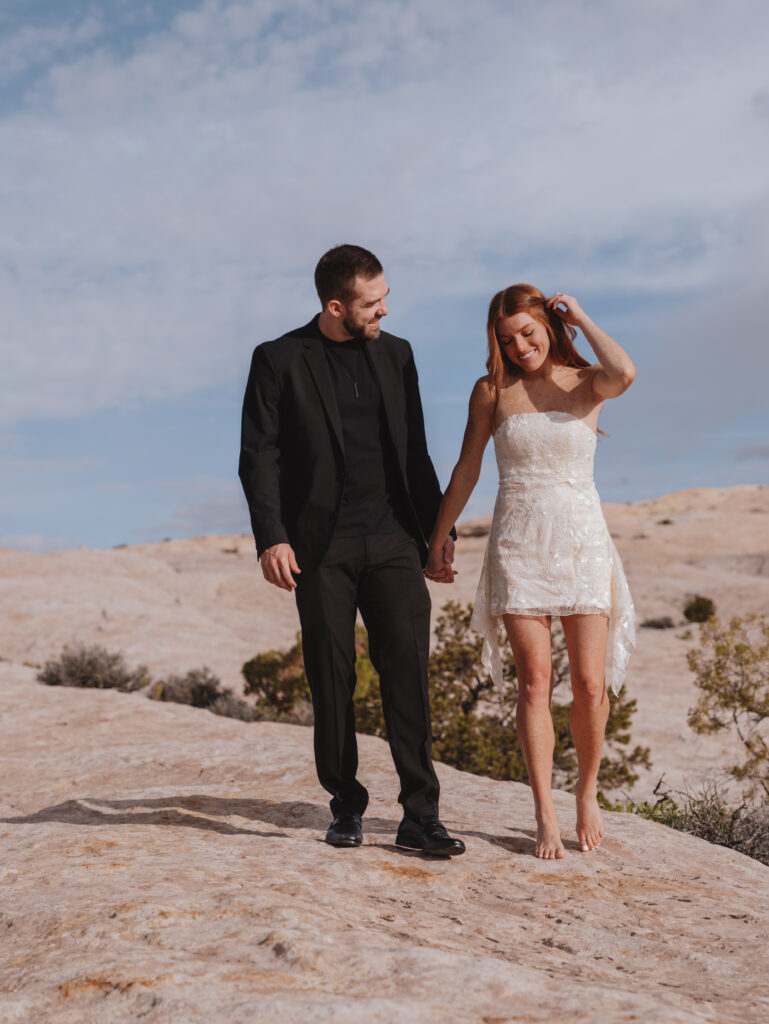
<point x="517" y="299"/>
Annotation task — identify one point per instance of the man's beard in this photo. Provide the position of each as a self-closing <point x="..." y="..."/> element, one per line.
<point x="359" y="331"/>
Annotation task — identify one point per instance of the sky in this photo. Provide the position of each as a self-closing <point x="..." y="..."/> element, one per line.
<point x="172" y="171"/>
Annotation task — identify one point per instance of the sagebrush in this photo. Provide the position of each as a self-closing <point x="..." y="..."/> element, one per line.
<point x="731" y="671"/>
<point x="708" y="814"/>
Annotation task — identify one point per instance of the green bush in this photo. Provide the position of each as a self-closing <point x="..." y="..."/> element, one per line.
<point x="473" y="722"/>
<point x="731" y="671"/>
<point x="699" y="609"/>
<point x="277" y="679"/>
<point x="93" y="667"/>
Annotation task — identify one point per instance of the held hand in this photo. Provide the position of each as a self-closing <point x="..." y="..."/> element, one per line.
<point x="278" y="563"/>
<point x="573" y="314"/>
<point x="439" y="563"/>
<point x="448" y="553"/>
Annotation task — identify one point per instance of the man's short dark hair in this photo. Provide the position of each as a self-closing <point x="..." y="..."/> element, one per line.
<point x="337" y="269"/>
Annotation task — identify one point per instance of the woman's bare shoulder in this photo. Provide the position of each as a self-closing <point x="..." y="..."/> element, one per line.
<point x="576" y="377"/>
<point x="483" y="392"/>
<point x="482" y="403"/>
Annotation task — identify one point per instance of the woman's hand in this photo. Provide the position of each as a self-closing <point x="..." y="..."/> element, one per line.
<point x="615" y="371"/>
<point x="573" y="314"/>
<point x="438" y="568"/>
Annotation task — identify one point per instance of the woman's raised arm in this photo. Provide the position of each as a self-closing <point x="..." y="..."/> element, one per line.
<point x="616" y="371"/>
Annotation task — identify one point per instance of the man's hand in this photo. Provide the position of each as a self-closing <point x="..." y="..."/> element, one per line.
<point x="278" y="563"/>
<point x="439" y="563"/>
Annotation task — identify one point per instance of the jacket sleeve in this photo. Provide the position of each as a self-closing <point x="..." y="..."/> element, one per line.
<point x="423" y="483"/>
<point x="259" y="466"/>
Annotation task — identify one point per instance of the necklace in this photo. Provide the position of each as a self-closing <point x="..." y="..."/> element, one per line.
<point x="353" y="376"/>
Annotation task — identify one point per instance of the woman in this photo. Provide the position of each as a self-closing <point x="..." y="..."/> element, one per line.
<point x="549" y="550"/>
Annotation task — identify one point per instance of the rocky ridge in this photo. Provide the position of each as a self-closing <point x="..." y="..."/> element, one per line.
<point x="164" y="865"/>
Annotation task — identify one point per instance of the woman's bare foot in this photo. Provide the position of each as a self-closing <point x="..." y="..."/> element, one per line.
<point x="589" y="820"/>
<point x="549" y="845"/>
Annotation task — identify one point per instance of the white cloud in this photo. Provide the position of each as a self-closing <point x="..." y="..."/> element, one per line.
<point x="33" y="46"/>
<point x="162" y="211"/>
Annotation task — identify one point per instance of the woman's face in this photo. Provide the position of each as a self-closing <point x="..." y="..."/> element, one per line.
<point x="524" y="340"/>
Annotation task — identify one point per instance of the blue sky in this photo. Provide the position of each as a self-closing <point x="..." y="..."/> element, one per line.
<point x="172" y="171"/>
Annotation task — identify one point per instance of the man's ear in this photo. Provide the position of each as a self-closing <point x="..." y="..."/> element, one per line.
<point x="336" y="308"/>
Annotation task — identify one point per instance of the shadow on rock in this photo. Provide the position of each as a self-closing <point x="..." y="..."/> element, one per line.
<point x="520" y="843"/>
<point x="169" y="811"/>
<point x="194" y="811"/>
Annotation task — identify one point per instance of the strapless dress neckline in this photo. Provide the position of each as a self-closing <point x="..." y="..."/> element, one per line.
<point x="542" y="412"/>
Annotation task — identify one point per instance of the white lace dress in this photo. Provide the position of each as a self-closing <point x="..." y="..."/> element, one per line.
<point x="549" y="549"/>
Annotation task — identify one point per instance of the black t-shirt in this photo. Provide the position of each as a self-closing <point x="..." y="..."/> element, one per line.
<point x="373" y="500"/>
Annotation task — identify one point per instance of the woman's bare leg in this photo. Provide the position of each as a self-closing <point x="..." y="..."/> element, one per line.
<point x="530" y="640"/>
<point x="586" y="637"/>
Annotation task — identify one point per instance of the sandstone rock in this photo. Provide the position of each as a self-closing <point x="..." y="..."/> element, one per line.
<point x="202" y="601"/>
<point x="164" y="865"/>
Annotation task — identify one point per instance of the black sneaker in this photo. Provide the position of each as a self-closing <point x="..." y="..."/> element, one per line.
<point x="345" y="830"/>
<point x="429" y="836"/>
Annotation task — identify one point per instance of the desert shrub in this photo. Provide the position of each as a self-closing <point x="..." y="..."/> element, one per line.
<point x="199" y="687"/>
<point x="699" y="609"/>
<point x="94" y="667"/>
<point x="473" y="722"/>
<point x="664" y="622"/>
<point x="708" y="815"/>
<point x="731" y="670"/>
<point x="229" y="706"/>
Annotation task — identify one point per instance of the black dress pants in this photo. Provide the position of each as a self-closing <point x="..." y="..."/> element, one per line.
<point x="382" y="575"/>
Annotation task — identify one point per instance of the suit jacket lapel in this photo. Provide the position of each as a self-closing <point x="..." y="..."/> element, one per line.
<point x="390" y="381"/>
<point x="318" y="364"/>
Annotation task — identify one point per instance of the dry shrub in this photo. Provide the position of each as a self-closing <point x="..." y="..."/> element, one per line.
<point x="92" y="667"/>
<point x="199" y="687"/>
<point x="229" y="706"/>
<point x="97" y="668"/>
<point x="708" y="815"/>
<point x="664" y="622"/>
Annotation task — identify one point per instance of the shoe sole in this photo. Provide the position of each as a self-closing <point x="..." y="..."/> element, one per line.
<point x="344" y="842"/>
<point x="405" y="845"/>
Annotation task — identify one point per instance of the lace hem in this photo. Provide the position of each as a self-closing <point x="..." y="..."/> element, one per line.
<point x="619" y="647"/>
<point x="559" y="612"/>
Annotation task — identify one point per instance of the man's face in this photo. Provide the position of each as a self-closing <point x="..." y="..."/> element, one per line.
<point x="367" y="307"/>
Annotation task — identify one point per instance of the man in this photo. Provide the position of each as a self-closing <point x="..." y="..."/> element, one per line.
<point x="342" y="494"/>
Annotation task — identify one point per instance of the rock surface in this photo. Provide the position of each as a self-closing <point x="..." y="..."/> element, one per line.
<point x="202" y="601"/>
<point x="164" y="865"/>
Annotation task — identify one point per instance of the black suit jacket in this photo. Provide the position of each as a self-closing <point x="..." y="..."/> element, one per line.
<point x="292" y="454"/>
